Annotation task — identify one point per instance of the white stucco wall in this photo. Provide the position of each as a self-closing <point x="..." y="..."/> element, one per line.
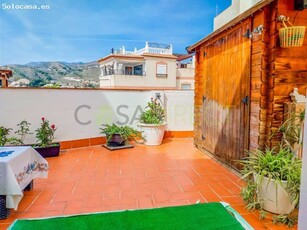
<point x="237" y="7"/>
<point x="79" y="114"/>
<point x="302" y="220"/>
<point x="179" y="110"/>
<point x="227" y="15"/>
<point x="185" y="72"/>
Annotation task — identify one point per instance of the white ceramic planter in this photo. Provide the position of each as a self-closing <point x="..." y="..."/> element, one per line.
<point x="153" y="134"/>
<point x="276" y="198"/>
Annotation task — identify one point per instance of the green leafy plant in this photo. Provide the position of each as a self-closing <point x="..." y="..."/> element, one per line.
<point x="291" y="131"/>
<point x="153" y="114"/>
<point x="280" y="165"/>
<point x="249" y="195"/>
<point x="285" y="219"/>
<point x="124" y="131"/>
<point x="5" y="139"/>
<point x="277" y="164"/>
<point x="45" y="133"/>
<point x="23" y="130"/>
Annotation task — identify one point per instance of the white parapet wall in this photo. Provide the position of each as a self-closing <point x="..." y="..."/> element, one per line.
<point x="236" y="8"/>
<point x="79" y="113"/>
<point x="302" y="220"/>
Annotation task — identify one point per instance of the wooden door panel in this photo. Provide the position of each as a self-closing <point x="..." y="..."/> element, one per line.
<point x="226" y="82"/>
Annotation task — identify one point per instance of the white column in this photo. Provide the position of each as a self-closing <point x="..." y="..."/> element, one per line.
<point x="146" y="48"/>
<point x="101" y="70"/>
<point x="302" y="218"/>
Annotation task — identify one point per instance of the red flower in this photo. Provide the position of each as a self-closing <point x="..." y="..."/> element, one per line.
<point x="53" y="127"/>
<point x="43" y="119"/>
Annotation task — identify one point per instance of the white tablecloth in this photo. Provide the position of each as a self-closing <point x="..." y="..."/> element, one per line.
<point x="18" y="167"/>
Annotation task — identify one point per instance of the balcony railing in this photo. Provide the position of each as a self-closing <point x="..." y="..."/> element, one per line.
<point x="124" y="72"/>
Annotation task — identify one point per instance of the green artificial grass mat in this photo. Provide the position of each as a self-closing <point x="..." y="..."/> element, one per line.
<point x="198" y="216"/>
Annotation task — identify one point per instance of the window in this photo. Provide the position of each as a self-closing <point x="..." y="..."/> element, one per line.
<point x="138" y="70"/>
<point x="128" y="70"/>
<point x="186" y="86"/>
<point x="161" y="69"/>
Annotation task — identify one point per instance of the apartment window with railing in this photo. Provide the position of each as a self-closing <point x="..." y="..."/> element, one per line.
<point x="161" y="69"/>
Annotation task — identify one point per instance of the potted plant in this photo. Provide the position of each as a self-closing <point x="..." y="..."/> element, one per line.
<point x="273" y="181"/>
<point x="5" y="139"/>
<point x="275" y="175"/>
<point x="118" y="135"/>
<point x="45" y="136"/>
<point x="152" y="123"/>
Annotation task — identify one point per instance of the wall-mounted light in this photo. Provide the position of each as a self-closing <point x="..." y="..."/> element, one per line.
<point x="257" y="31"/>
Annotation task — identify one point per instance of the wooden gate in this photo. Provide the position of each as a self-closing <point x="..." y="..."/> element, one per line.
<point x="226" y="78"/>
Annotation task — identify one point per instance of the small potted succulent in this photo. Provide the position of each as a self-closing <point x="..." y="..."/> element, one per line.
<point x="118" y="135"/>
<point x="45" y="136"/>
<point x="152" y="123"/>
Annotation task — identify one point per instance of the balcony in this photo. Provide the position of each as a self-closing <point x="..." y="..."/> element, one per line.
<point x="88" y="178"/>
<point x="124" y="72"/>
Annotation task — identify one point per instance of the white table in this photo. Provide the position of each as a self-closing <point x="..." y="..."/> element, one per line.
<point x="18" y="167"/>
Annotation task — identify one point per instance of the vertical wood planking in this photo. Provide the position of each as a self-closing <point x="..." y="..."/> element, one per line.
<point x="226" y="76"/>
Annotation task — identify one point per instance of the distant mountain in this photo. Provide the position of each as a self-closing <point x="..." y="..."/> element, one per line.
<point x="63" y="73"/>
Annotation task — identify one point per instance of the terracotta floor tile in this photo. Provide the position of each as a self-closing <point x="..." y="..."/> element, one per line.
<point x="25" y="203"/>
<point x="232" y="199"/>
<point x="52" y="213"/>
<point x="172" y="186"/>
<point x="210" y="195"/>
<point x="93" y="179"/>
<point x="111" y="191"/>
<point x="45" y="197"/>
<point x="4" y="226"/>
<point x="93" y="200"/>
<point x="127" y="204"/>
<point x="145" y="202"/>
<point x="73" y="207"/>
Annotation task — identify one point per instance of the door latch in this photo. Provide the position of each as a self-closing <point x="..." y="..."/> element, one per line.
<point x="245" y="100"/>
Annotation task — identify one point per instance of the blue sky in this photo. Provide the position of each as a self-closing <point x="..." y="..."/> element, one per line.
<point x="83" y="30"/>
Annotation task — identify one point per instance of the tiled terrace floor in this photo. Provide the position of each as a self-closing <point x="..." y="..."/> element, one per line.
<point x="94" y="179"/>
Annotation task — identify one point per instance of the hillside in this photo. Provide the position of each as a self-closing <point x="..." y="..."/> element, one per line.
<point x="63" y="73"/>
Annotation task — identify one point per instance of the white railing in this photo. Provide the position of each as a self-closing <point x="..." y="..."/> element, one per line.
<point x="146" y="49"/>
<point x="140" y="51"/>
<point x="129" y="52"/>
<point x="159" y="51"/>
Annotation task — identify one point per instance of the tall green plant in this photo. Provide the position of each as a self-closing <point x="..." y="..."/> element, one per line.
<point x="153" y="114"/>
<point x="23" y="130"/>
